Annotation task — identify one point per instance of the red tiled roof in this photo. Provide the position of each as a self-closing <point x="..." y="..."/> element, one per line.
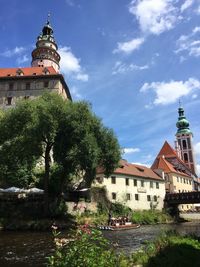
<point x="162" y="163"/>
<point x="167" y="150"/>
<point x="29" y="71"/>
<point x="134" y="170"/>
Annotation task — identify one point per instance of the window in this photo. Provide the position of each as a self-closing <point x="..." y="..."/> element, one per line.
<point x="46" y="84"/>
<point x="135" y="182"/>
<point x="185" y="157"/>
<point x="151" y="184"/>
<point x="128" y="196"/>
<point x="114" y="196"/>
<point x="136" y="197"/>
<point x="113" y="180"/>
<point x="28" y="86"/>
<point x="157" y="185"/>
<point x="127" y="181"/>
<point x="155" y="198"/>
<point x="190" y="182"/>
<point x="184" y="144"/>
<point x="9" y="100"/>
<point x="11" y="86"/>
<point x="99" y="180"/>
<point x="148" y="198"/>
<point x="177" y="179"/>
<point x="184" y="180"/>
<point x="142" y="183"/>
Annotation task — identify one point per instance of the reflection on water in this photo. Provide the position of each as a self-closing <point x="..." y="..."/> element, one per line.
<point x="25" y="249"/>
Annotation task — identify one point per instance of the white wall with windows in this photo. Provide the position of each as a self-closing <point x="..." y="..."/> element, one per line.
<point x="136" y="192"/>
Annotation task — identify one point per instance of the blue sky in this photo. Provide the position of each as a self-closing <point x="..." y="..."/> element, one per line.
<point x="132" y="60"/>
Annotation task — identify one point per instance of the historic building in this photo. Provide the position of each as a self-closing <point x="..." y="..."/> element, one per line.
<point x="42" y="75"/>
<point x="183" y="143"/>
<point x="136" y="186"/>
<point x="178" y="165"/>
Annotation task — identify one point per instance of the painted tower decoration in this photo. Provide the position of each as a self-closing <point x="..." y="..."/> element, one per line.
<point x="45" y="54"/>
<point x="183" y="143"/>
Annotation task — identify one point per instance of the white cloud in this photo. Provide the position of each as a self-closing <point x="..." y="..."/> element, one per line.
<point x="154" y="16"/>
<point x="70" y="2"/>
<point x="189" y="43"/>
<point x="197" y="149"/>
<point x="197" y="154"/>
<point x="167" y="93"/>
<point x="13" y="52"/>
<point x="22" y="59"/>
<point x="142" y="164"/>
<point x="130" y="46"/>
<point x="123" y="68"/>
<point x="82" y="77"/>
<point x="75" y="93"/>
<point x="186" y="5"/>
<point x="198" y="169"/>
<point x="198" y="10"/>
<point x="130" y="150"/>
<point x="70" y="64"/>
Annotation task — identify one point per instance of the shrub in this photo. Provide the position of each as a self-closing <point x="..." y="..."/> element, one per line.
<point x="87" y="249"/>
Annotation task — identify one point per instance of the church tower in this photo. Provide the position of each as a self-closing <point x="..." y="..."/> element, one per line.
<point x="184" y="145"/>
<point x="45" y="54"/>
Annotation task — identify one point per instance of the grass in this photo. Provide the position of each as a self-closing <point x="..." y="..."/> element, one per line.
<point x="169" y="250"/>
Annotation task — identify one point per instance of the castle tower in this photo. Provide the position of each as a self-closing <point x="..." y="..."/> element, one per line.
<point x="184" y="144"/>
<point x="45" y="54"/>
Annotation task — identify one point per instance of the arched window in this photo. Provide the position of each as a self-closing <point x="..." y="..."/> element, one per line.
<point x="185" y="157"/>
<point x="184" y="144"/>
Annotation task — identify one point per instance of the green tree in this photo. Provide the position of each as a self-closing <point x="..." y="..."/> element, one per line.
<point x="79" y="141"/>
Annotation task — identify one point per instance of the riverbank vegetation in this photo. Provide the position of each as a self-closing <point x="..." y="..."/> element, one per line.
<point x="89" y="248"/>
<point x="119" y="210"/>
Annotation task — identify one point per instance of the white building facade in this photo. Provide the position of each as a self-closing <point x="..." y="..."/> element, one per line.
<point x="135" y="186"/>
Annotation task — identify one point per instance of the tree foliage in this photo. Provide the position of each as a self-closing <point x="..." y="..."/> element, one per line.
<point x="36" y="128"/>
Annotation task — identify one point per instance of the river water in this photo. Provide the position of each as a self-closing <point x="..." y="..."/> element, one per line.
<point x="30" y="249"/>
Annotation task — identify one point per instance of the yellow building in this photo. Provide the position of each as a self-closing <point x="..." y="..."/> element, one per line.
<point x="178" y="176"/>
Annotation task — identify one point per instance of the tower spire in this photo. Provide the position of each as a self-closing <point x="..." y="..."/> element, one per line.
<point x="45" y="54"/>
<point x="183" y="143"/>
<point x="182" y="123"/>
<point x="48" y="17"/>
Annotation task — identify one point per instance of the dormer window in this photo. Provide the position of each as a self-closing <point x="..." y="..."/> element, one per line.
<point x="19" y="72"/>
<point x="46" y="71"/>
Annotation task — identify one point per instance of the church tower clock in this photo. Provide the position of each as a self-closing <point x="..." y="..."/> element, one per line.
<point x="45" y="54"/>
<point x="184" y="144"/>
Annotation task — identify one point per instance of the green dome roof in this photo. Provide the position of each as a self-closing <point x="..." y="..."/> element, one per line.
<point x="182" y="123"/>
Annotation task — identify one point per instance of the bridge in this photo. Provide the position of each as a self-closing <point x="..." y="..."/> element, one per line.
<point x="173" y="199"/>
